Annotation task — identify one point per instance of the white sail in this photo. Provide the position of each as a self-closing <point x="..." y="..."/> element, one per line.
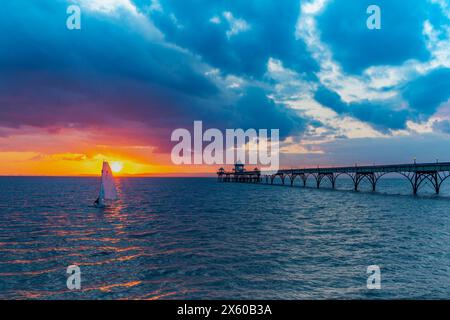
<point x="108" y="188"/>
<point x="101" y="197"/>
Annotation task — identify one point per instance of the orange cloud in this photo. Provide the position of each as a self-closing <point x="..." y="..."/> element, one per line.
<point x="70" y="152"/>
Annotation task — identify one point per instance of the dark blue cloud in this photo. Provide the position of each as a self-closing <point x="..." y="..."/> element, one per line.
<point x="255" y="110"/>
<point x="381" y="115"/>
<point x="103" y="46"/>
<point x="271" y="33"/>
<point x="102" y="73"/>
<point x="107" y="73"/>
<point x="331" y="100"/>
<point x="343" y="28"/>
<point x="423" y="96"/>
<point x="426" y="93"/>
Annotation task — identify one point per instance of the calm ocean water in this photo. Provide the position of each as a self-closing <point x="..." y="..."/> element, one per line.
<point x="200" y="239"/>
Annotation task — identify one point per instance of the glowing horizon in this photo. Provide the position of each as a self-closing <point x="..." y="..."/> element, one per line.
<point x="76" y="165"/>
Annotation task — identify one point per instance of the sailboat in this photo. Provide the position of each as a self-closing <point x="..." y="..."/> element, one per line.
<point x="107" y="187"/>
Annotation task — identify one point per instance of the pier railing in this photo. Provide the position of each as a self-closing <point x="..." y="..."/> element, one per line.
<point x="416" y="173"/>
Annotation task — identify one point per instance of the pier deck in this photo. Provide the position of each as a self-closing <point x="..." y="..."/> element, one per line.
<point x="416" y="173"/>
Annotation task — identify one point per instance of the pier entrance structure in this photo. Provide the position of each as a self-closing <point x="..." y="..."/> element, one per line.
<point x="239" y="174"/>
<point x="416" y="173"/>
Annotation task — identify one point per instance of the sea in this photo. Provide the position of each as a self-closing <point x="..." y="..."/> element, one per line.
<point x="197" y="238"/>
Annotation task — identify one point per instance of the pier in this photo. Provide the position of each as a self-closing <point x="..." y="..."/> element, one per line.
<point x="416" y="173"/>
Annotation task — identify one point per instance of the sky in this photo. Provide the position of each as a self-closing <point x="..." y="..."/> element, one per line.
<point x="117" y="88"/>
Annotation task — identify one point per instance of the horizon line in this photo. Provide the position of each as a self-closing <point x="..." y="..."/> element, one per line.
<point x="187" y="175"/>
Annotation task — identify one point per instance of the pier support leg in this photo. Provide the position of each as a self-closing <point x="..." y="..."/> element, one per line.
<point x="332" y="179"/>
<point x="416" y="184"/>
<point x="356" y="182"/>
<point x="373" y="180"/>
<point x="436" y="182"/>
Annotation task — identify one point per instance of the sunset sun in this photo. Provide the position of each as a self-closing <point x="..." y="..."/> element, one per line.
<point x="116" y="166"/>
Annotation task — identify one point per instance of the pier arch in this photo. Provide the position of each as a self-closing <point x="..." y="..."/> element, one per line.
<point x="278" y="179"/>
<point x="298" y="180"/>
<point x="310" y="180"/>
